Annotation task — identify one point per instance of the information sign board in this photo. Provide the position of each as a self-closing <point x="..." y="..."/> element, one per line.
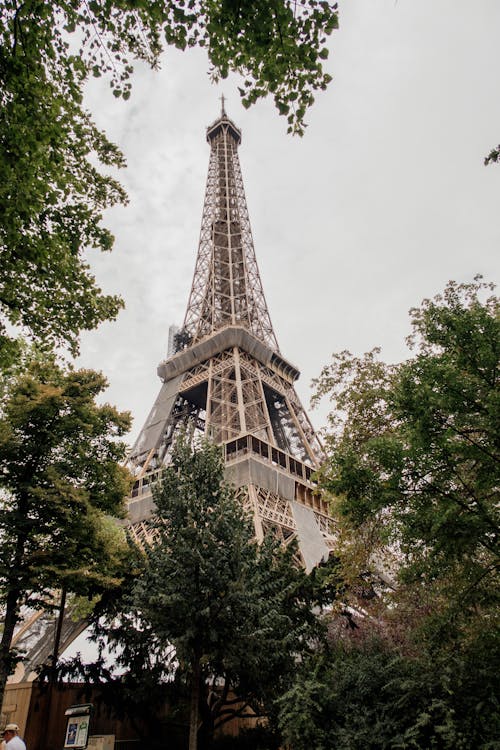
<point x="77" y="729"/>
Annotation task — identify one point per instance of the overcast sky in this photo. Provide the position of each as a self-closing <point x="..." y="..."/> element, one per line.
<point x="383" y="200"/>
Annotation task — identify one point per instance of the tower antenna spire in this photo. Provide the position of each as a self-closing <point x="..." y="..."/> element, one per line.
<point x="222" y="108"/>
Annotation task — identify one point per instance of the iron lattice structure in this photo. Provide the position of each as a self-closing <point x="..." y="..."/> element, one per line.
<point x="227" y="377"/>
<point x="226" y="288"/>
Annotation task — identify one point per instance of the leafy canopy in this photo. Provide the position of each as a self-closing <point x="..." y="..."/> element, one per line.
<point x="212" y="608"/>
<point x="370" y="695"/>
<point x="60" y="482"/>
<point x="53" y="188"/>
<point x="51" y="193"/>
<point x="413" y="468"/>
<point x="417" y="447"/>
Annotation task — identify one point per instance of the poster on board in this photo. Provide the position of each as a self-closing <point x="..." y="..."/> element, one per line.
<point x="77" y="729"/>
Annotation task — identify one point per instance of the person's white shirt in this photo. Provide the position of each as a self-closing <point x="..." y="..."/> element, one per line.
<point x="15" y="743"/>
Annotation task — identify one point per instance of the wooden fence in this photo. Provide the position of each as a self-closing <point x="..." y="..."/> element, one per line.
<point x="40" y="713"/>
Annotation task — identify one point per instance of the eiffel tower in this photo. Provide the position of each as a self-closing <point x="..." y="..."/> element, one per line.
<point x="228" y="379"/>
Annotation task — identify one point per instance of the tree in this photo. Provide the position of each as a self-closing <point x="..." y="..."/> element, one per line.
<point x="60" y="481"/>
<point x="52" y="192"/>
<point x="493" y="156"/>
<point x="418" y="453"/>
<point x="413" y="467"/>
<point x="212" y="608"/>
<point x="368" y="694"/>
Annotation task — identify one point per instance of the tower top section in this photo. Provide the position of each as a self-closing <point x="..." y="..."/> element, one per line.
<point x="226" y="289"/>
<point x="223" y="125"/>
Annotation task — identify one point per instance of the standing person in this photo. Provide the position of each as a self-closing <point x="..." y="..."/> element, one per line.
<point x="12" y="739"/>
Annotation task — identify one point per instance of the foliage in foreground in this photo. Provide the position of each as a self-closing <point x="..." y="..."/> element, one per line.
<point x="60" y="481"/>
<point x="369" y="695"/>
<point x="52" y="188"/>
<point x="493" y="157"/>
<point x="413" y="468"/>
<point x="417" y="458"/>
<point x="219" y="615"/>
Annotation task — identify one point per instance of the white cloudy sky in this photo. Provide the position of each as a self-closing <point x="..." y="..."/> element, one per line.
<point x="383" y="200"/>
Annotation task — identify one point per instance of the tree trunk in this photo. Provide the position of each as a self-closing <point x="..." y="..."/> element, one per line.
<point x="195" y="699"/>
<point x="9" y="625"/>
<point x="206" y="717"/>
<point x="53" y="668"/>
<point x="12" y="605"/>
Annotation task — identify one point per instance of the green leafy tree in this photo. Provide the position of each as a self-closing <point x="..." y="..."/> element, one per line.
<point x="368" y="694"/>
<point x="413" y="468"/>
<point x="417" y="455"/>
<point x="51" y="194"/>
<point x="212" y="608"/>
<point x="52" y="187"/>
<point x="493" y="157"/>
<point x="60" y="481"/>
